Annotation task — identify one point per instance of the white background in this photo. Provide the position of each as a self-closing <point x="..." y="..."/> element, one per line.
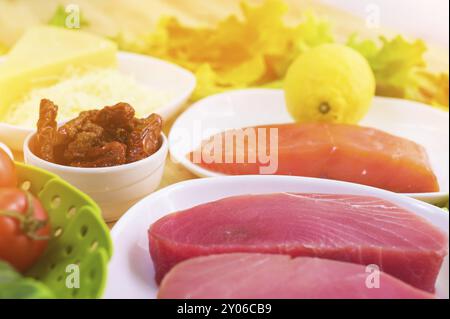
<point x="426" y="19"/>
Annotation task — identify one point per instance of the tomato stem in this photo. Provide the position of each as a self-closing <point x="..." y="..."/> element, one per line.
<point x="28" y="223"/>
<point x="13" y="214"/>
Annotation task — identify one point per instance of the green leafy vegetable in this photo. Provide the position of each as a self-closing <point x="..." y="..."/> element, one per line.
<point x="313" y="31"/>
<point x="14" y="286"/>
<point x="400" y="70"/>
<point x="253" y="50"/>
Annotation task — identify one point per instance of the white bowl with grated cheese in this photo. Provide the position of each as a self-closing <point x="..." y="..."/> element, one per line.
<point x="148" y="84"/>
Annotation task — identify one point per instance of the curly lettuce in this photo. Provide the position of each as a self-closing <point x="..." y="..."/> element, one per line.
<point x="401" y="71"/>
<point x="236" y="53"/>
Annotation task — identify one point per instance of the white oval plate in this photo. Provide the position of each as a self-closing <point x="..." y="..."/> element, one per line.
<point x="131" y="272"/>
<point x="420" y="123"/>
<point x="150" y="72"/>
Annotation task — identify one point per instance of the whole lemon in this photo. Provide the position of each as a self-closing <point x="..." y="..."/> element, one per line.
<point x="330" y="83"/>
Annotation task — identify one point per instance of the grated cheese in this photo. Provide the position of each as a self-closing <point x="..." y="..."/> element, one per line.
<point x="81" y="92"/>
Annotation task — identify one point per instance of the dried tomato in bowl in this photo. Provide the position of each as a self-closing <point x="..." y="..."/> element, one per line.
<point x="108" y="137"/>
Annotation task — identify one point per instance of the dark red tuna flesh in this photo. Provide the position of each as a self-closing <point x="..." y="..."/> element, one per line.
<point x="357" y="229"/>
<point x="261" y="276"/>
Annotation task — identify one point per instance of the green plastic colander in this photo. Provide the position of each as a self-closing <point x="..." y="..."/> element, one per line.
<point x="80" y="247"/>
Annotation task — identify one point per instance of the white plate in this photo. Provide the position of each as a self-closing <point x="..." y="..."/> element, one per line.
<point x="131" y="269"/>
<point x="415" y="121"/>
<point x="150" y="72"/>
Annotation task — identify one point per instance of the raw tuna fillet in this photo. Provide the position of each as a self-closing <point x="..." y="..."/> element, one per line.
<point x="333" y="151"/>
<point x="357" y="229"/>
<point x="261" y="276"/>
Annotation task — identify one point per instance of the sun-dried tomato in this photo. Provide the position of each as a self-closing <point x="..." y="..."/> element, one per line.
<point x="145" y="138"/>
<point x="117" y="118"/>
<point x="46" y="130"/>
<point x="99" y="138"/>
<point x="111" y="154"/>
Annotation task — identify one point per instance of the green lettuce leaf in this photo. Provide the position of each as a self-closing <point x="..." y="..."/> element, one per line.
<point x="251" y="50"/>
<point x="401" y="71"/>
<point x="313" y="31"/>
<point x="14" y="286"/>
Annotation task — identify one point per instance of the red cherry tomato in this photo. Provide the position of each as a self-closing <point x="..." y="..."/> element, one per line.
<point x="8" y="176"/>
<point x="24" y="228"/>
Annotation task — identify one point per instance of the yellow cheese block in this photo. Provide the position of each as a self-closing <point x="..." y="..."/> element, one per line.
<point x="44" y="54"/>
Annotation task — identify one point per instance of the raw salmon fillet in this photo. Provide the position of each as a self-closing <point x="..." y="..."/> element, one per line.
<point x="357" y="229"/>
<point x="262" y="276"/>
<point x="334" y="151"/>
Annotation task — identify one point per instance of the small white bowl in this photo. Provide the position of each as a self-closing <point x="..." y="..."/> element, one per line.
<point x="150" y="72"/>
<point x="115" y="189"/>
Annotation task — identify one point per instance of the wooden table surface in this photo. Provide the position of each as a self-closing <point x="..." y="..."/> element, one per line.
<point x="139" y="16"/>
